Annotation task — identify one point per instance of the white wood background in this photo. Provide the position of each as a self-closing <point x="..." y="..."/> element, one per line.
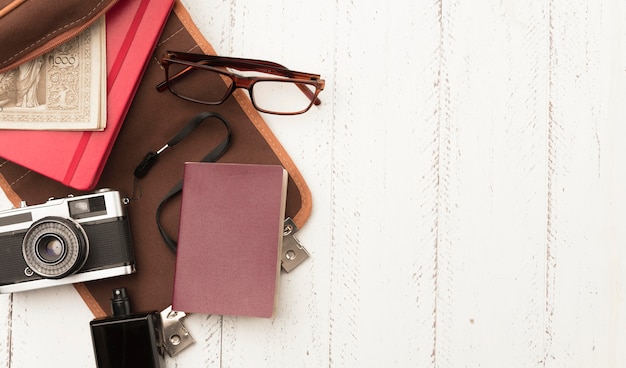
<point x="468" y="168"/>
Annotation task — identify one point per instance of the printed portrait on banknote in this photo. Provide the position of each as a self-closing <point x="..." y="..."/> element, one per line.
<point x="64" y="89"/>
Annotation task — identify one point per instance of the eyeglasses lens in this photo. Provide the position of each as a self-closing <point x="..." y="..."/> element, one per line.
<point x="284" y="97"/>
<point x="198" y="84"/>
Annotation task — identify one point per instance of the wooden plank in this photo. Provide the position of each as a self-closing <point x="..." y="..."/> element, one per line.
<point x="50" y="327"/>
<point x="491" y="245"/>
<point x="612" y="334"/>
<point x="5" y="329"/>
<point x="385" y="177"/>
<point x="585" y="312"/>
<point x="206" y="351"/>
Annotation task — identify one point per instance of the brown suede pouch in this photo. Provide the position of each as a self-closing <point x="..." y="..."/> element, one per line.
<point x="29" y="28"/>
<point x="155" y="117"/>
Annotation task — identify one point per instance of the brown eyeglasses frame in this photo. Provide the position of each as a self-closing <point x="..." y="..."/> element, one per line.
<point x="213" y="63"/>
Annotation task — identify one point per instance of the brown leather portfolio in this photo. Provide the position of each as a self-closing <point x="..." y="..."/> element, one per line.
<point x="154" y="117"/>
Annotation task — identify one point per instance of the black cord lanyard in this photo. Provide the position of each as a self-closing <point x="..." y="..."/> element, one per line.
<point x="151" y="157"/>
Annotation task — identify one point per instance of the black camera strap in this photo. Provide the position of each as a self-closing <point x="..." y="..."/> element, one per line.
<point x="151" y="157"/>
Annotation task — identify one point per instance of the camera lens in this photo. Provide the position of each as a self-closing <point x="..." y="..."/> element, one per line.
<point x="55" y="247"/>
<point x="50" y="248"/>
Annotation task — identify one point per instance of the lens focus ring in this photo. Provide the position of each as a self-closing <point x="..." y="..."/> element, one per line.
<point x="55" y="247"/>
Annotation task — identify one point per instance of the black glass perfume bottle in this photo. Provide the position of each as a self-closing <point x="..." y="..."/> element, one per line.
<point x="127" y="339"/>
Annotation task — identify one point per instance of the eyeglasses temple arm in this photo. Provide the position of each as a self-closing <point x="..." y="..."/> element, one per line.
<point x="247" y="65"/>
<point x="163" y="85"/>
<point x="240" y="63"/>
<point x="309" y="94"/>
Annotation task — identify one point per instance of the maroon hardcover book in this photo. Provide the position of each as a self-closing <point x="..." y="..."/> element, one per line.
<point x="230" y="234"/>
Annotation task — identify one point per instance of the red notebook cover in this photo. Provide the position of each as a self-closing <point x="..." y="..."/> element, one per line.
<point x="230" y="234"/>
<point x="76" y="159"/>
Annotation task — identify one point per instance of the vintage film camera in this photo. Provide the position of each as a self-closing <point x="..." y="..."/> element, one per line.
<point x="63" y="241"/>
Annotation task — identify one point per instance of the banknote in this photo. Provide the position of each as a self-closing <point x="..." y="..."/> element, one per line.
<point x="64" y="89"/>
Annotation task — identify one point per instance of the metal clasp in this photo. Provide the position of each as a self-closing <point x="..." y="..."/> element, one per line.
<point x="293" y="253"/>
<point x="175" y="335"/>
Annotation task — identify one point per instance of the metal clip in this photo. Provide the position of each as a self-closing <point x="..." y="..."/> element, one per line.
<point x="175" y="335"/>
<point x="293" y="252"/>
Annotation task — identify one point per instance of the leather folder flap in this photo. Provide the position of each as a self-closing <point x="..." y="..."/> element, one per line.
<point x="29" y="28"/>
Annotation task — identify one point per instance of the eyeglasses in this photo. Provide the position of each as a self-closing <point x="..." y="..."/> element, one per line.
<point x="208" y="79"/>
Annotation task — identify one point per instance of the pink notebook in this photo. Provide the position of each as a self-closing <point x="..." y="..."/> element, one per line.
<point x="229" y="241"/>
<point x="77" y="159"/>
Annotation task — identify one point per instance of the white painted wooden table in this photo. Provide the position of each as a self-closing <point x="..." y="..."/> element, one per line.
<point x="468" y="168"/>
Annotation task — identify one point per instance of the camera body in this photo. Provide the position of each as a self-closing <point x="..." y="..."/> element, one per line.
<point x="63" y="241"/>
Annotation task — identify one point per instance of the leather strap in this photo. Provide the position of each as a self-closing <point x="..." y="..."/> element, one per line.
<point x="151" y="158"/>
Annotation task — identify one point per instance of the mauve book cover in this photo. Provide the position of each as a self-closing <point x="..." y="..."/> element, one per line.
<point x="229" y="239"/>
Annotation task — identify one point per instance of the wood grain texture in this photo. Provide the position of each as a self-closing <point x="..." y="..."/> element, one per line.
<point x="492" y="204"/>
<point x="581" y="327"/>
<point x="384" y="176"/>
<point x="50" y="327"/>
<point x="207" y="332"/>
<point x="5" y="329"/>
<point x="467" y="167"/>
